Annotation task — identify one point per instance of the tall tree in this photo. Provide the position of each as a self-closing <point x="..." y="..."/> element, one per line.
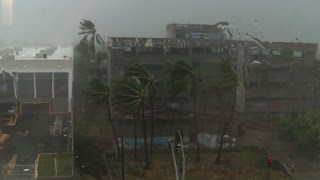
<point x="132" y="95"/>
<point x="88" y="30"/>
<point x="100" y="93"/>
<point x="185" y="77"/>
<point x="225" y="86"/>
<point x="147" y="80"/>
<point x="85" y="52"/>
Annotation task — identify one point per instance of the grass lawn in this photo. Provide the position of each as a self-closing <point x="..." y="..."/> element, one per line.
<point x="244" y="165"/>
<point x="46" y="165"/>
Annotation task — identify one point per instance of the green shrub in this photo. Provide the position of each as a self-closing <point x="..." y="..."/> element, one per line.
<point x="304" y="129"/>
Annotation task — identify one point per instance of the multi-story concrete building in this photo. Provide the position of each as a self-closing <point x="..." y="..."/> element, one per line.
<point x="281" y="84"/>
<point x="278" y="84"/>
<point x="204" y="48"/>
<point x="203" y="45"/>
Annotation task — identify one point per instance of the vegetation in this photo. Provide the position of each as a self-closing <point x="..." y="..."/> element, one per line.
<point x="100" y="93"/>
<point x="148" y="82"/>
<point x="225" y="86"/>
<point x="90" y="150"/>
<point x="304" y="129"/>
<point x="185" y="77"/>
<point x="89" y="31"/>
<point x="46" y="165"/>
<point x="246" y="164"/>
<point x="137" y="91"/>
<point x="132" y="95"/>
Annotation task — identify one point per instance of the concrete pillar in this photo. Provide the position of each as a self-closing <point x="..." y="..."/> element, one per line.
<point x="70" y="80"/>
<point x="15" y="80"/>
<point x="52" y="81"/>
<point x="34" y="85"/>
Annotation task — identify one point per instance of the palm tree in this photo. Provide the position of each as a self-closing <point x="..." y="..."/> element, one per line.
<point x="89" y="31"/>
<point x="185" y="77"/>
<point x="225" y="86"/>
<point x="100" y="93"/>
<point x="132" y="95"/>
<point x="85" y="52"/>
<point x="147" y="80"/>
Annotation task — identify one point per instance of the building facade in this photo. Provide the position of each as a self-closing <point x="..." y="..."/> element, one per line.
<point x="283" y="83"/>
<point x="276" y="80"/>
<point x="34" y="75"/>
<point x="35" y="106"/>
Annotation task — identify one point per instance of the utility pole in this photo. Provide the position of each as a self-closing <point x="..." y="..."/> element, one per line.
<point x="183" y="157"/>
<point x="122" y="157"/>
<point x="174" y="161"/>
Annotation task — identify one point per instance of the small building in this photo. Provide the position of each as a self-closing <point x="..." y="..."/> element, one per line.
<point x="36" y="86"/>
<point x="38" y="75"/>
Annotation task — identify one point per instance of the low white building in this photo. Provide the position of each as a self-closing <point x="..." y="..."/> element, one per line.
<point x="37" y="75"/>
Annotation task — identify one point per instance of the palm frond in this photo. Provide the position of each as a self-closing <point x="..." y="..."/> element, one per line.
<point x="98" y="91"/>
<point x="130" y="93"/>
<point x="227" y="78"/>
<point x="86" y="25"/>
<point x="182" y="75"/>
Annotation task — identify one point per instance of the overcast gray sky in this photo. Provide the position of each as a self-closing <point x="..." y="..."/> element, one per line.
<point x="57" y="20"/>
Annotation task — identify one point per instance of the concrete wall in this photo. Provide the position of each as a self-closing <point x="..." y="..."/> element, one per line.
<point x="168" y="127"/>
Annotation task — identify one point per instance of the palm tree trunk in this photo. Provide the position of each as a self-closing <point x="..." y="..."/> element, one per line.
<point x="113" y="129"/>
<point x="268" y="93"/>
<point x="145" y="139"/>
<point x="194" y="84"/>
<point x="94" y="47"/>
<point x="152" y="123"/>
<point x="135" y="135"/>
<point x="226" y="126"/>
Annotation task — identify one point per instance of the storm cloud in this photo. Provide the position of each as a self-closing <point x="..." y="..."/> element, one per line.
<point x="57" y="20"/>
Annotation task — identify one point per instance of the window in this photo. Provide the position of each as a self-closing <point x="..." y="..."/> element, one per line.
<point x="297" y="54"/>
<point x="276" y="53"/>
<point x="4" y="88"/>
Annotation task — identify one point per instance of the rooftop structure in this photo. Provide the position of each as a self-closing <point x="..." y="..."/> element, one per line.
<point x="196" y="31"/>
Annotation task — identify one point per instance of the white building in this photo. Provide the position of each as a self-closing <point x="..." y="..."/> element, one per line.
<point x="37" y="75"/>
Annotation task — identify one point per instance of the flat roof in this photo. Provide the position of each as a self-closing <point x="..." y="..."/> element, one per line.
<point x="40" y="53"/>
<point x="21" y="66"/>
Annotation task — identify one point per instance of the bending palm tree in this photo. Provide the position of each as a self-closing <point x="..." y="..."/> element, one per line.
<point x="132" y="95"/>
<point x="226" y="88"/>
<point x="88" y="30"/>
<point x="147" y="80"/>
<point x="100" y="93"/>
<point x="185" y="77"/>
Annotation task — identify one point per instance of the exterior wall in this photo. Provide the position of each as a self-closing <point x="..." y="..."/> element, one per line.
<point x="38" y="81"/>
<point x="168" y="127"/>
<point x="26" y="85"/>
<point x="309" y="52"/>
<point x="194" y="31"/>
<point x="155" y="62"/>
<point x="44" y="85"/>
<point x="285" y="81"/>
<point x="6" y="86"/>
<point x="284" y="85"/>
